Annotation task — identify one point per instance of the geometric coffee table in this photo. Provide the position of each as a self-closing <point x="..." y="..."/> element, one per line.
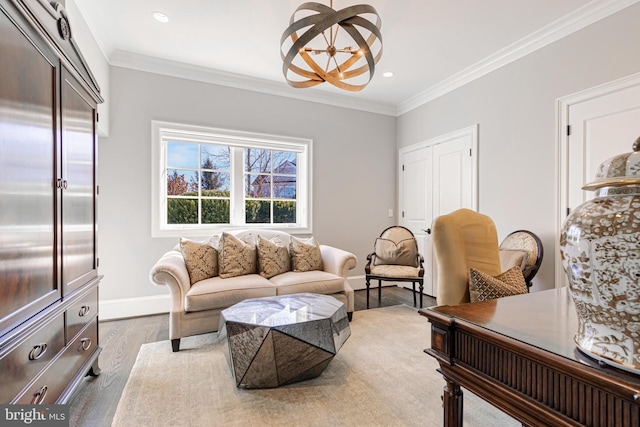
<point x="283" y="339"/>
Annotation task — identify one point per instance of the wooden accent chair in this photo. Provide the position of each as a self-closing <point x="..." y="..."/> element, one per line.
<point x="527" y="242"/>
<point x="396" y="259"/>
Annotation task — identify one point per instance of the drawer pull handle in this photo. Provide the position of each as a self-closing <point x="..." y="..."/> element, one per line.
<point x="37" y="351"/>
<point x="85" y="344"/>
<point x="38" y="396"/>
<point x="84" y="310"/>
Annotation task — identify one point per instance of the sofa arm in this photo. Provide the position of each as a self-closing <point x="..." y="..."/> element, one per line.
<point x="170" y="270"/>
<point x="337" y="261"/>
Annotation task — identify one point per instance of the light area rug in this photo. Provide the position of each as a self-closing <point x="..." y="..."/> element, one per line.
<point x="380" y="377"/>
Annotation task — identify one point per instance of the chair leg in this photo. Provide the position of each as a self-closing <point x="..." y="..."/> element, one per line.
<point x="368" y="285"/>
<point x="379" y="291"/>
<point x="414" y="294"/>
<point x="175" y="345"/>
<point x="421" y="289"/>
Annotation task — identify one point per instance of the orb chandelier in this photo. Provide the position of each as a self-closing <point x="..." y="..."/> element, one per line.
<point x="319" y="29"/>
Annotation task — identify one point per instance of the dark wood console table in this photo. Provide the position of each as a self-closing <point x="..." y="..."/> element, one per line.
<point x="518" y="354"/>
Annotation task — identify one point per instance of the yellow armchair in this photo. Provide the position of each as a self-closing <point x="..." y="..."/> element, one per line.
<point x="462" y="240"/>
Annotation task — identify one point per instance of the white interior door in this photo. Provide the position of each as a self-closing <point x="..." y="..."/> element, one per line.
<point x="600" y="128"/>
<point x="439" y="177"/>
<point x="416" y="189"/>
<point x="598" y="124"/>
<point x="452" y="175"/>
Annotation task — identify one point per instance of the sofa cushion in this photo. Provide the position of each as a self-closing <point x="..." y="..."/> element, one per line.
<point x="484" y="287"/>
<point x="200" y="258"/>
<point x="319" y="282"/>
<point x="305" y="254"/>
<point x="273" y="257"/>
<point x="222" y="293"/>
<point x="237" y="257"/>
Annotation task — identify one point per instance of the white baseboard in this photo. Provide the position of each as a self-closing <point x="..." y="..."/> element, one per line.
<point x="134" y="307"/>
<point x="357" y="282"/>
<point x="159" y="304"/>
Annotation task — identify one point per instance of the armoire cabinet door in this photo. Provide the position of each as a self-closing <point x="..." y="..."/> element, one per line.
<point x="28" y="280"/>
<point x="78" y="144"/>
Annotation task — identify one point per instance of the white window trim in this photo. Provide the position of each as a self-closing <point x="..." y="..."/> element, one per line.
<point x="163" y="130"/>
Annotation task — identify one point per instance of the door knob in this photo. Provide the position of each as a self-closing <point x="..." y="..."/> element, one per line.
<point x="428" y="230"/>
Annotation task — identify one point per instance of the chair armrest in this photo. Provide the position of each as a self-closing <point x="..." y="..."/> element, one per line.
<point x="370" y="257"/>
<point x="420" y="265"/>
<point x="337" y="261"/>
<point x="170" y="270"/>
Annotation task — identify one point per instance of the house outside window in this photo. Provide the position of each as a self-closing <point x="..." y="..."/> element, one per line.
<point x="208" y="179"/>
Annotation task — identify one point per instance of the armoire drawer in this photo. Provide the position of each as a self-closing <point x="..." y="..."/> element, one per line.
<point x="52" y="382"/>
<point x="81" y="312"/>
<point x="20" y="364"/>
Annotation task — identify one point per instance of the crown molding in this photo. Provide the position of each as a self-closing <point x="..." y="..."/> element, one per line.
<point x="208" y="75"/>
<point x="575" y="21"/>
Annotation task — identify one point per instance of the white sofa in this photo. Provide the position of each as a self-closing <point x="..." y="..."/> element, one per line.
<point x="195" y="308"/>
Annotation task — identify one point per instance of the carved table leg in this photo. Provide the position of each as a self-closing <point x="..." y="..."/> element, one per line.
<point x="452" y="404"/>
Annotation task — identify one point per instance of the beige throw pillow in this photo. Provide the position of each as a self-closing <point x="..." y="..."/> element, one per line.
<point x="273" y="257"/>
<point x="484" y="287"/>
<point x="511" y="258"/>
<point x="305" y="254"/>
<point x="200" y="258"/>
<point x="388" y="252"/>
<point x="236" y="256"/>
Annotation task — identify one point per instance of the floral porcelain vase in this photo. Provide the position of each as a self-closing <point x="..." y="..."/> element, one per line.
<point x="600" y="247"/>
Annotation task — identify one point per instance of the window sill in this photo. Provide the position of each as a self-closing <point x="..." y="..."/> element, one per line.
<point x="192" y="232"/>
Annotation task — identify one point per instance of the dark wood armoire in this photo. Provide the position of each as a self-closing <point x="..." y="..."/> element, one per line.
<point x="48" y="205"/>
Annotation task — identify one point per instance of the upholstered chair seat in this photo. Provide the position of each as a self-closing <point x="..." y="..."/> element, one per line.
<point x="392" y="271"/>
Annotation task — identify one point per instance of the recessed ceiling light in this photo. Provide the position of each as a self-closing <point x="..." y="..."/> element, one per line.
<point x="160" y="17"/>
<point x="387" y="74"/>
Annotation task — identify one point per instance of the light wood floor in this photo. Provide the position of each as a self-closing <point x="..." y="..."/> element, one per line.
<point x="95" y="401"/>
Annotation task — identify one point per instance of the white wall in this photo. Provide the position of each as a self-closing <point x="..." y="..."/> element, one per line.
<point x="353" y="173"/>
<point x="355" y="152"/>
<point x="515" y="107"/>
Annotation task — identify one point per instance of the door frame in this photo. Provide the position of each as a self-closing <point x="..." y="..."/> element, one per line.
<point x="563" y="106"/>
